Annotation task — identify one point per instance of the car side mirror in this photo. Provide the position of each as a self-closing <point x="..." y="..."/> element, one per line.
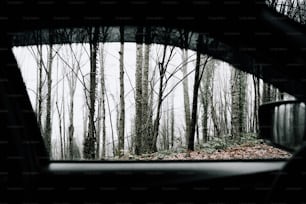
<point x="283" y="124"/>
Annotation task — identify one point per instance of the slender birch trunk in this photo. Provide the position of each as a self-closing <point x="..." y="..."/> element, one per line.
<point x="122" y="103"/>
<point x="48" y="127"/>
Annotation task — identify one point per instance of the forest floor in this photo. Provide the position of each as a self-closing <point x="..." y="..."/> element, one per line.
<point x="244" y="151"/>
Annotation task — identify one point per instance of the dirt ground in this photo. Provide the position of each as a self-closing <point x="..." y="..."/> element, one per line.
<point x="242" y="152"/>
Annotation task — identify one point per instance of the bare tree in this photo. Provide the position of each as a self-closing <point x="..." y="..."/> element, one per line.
<point x="162" y="67"/>
<point x="138" y="99"/>
<point x="186" y="94"/>
<point x="147" y="124"/>
<point x="39" y="97"/>
<point x="38" y="56"/>
<point x="199" y="70"/>
<point x="150" y="128"/>
<point x="205" y="98"/>
<point x="90" y="140"/>
<point x="101" y="127"/>
<point x="185" y="37"/>
<point x="48" y="70"/>
<point x="122" y="103"/>
<point x="71" y="59"/>
<point x="72" y="77"/>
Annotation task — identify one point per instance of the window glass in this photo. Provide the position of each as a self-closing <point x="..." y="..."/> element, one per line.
<point x="112" y="93"/>
<point x="294" y="9"/>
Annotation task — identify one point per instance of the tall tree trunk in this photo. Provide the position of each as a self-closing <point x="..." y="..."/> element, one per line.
<point x="197" y="82"/>
<point x="256" y="103"/>
<point x="138" y="99"/>
<point x="39" y="99"/>
<point x="243" y="102"/>
<point x="90" y="141"/>
<point x="186" y="94"/>
<point x="158" y="115"/>
<point x="101" y="129"/>
<point x="72" y="82"/>
<point x="238" y="84"/>
<point x="162" y="71"/>
<point x="101" y="104"/>
<point x="204" y="119"/>
<point x="162" y="66"/>
<point x="205" y="96"/>
<point x="147" y="135"/>
<point x="102" y="107"/>
<point x="122" y="103"/>
<point x="48" y="127"/>
<point x="235" y="83"/>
